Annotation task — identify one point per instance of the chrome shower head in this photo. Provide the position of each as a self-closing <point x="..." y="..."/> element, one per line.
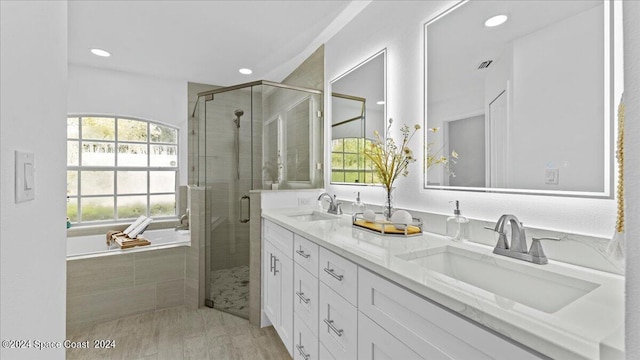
<point x="238" y="113"/>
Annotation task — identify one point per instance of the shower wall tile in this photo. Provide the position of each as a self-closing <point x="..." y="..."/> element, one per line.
<point x="194" y="262"/>
<point x="255" y="259"/>
<point x="310" y="73"/>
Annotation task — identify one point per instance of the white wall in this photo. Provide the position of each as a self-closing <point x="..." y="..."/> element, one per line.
<point x="632" y="174"/>
<point x="33" y="69"/>
<point x="554" y="69"/>
<point x="398" y="26"/>
<point x="107" y="92"/>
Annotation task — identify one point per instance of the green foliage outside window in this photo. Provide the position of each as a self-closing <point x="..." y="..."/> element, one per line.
<point x="138" y="158"/>
<point x="349" y="164"/>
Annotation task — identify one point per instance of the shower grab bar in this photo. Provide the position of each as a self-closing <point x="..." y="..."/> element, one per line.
<point x="245" y="220"/>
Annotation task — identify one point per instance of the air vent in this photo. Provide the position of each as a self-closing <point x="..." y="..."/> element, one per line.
<point x="485" y="64"/>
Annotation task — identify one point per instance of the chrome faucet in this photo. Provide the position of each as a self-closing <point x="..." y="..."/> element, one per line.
<point x="335" y="206"/>
<point x="184" y="221"/>
<point x="517" y="247"/>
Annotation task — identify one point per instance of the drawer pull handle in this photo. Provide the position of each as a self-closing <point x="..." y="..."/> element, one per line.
<point x="333" y="327"/>
<point x="302" y="353"/>
<point x="332" y="273"/>
<point x="275" y="267"/>
<point x="301" y="253"/>
<point x="301" y="296"/>
<point x="271" y="262"/>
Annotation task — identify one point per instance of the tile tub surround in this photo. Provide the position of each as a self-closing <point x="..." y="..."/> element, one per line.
<point x="572" y="332"/>
<point x="106" y="285"/>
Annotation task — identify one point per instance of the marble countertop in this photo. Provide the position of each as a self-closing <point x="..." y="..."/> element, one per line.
<point x="574" y="331"/>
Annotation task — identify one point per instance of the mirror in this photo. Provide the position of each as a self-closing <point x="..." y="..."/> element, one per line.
<point x="357" y="110"/>
<point x="526" y="105"/>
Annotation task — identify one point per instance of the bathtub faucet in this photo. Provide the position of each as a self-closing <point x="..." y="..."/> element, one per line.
<point x="184" y="221"/>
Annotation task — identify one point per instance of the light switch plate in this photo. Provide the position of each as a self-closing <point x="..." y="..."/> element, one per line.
<point x="25" y="176"/>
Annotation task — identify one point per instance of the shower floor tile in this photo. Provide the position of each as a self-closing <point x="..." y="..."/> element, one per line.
<point x="230" y="290"/>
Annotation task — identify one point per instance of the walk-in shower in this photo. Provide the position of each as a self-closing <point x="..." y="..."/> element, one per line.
<point x="274" y="141"/>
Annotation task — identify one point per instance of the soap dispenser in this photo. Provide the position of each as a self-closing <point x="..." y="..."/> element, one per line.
<point x="457" y="225"/>
<point x="358" y="206"/>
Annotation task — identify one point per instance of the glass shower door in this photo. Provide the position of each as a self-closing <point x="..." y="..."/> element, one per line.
<point x="228" y="176"/>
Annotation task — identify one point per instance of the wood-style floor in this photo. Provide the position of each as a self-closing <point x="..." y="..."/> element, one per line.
<point x="180" y="333"/>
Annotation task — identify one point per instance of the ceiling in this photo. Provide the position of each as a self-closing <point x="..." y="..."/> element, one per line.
<point x="459" y="41"/>
<point x="199" y="41"/>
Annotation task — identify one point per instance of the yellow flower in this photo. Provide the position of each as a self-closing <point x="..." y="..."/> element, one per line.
<point x="388" y="159"/>
<point x="434" y="129"/>
<point x="454" y="154"/>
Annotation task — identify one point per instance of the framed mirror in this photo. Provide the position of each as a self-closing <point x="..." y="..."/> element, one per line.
<point x="358" y="99"/>
<point x="525" y="105"/>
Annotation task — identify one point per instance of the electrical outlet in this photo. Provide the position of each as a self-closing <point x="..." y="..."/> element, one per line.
<point x="551" y="176"/>
<point x="304" y="201"/>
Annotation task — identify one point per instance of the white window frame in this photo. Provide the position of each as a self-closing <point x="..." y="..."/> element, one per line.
<point x="115" y="169"/>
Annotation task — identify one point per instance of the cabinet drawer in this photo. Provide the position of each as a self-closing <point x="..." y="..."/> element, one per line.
<point x="305" y="342"/>
<point x="305" y="253"/>
<point x="339" y="274"/>
<point x="427" y="328"/>
<point x="338" y="324"/>
<point x="280" y="237"/>
<point x="324" y="353"/>
<point x="305" y="297"/>
<point x="374" y="343"/>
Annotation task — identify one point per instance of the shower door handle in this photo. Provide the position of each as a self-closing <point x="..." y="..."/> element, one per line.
<point x="245" y="220"/>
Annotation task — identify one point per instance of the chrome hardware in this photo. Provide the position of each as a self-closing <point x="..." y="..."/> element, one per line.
<point x="332" y="273"/>
<point x="275" y="266"/>
<point x="333" y="327"/>
<point x="271" y="266"/>
<point x="301" y="253"/>
<point x="301" y="296"/>
<point x="517" y="247"/>
<point x="304" y="355"/>
<point x="245" y="220"/>
<point x="536" y="251"/>
<point x="335" y="206"/>
<point x="184" y="221"/>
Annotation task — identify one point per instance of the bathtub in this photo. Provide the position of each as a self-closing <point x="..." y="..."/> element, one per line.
<point x="84" y="247"/>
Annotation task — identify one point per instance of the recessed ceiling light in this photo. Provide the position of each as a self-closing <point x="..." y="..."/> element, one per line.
<point x="100" y="52"/>
<point x="381" y="102"/>
<point x="246" y="71"/>
<point x="496" y="20"/>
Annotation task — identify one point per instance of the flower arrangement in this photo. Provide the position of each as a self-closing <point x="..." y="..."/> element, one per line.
<point x="390" y="160"/>
<point x="436" y="157"/>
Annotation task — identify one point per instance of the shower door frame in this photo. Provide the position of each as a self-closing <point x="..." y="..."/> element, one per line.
<point x="210" y="96"/>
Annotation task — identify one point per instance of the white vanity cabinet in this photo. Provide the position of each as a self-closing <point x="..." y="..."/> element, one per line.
<point x="375" y="343"/>
<point x="325" y="306"/>
<point x="425" y="327"/>
<point x="277" y="280"/>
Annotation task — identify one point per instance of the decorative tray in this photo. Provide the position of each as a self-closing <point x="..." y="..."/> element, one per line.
<point x="385" y="227"/>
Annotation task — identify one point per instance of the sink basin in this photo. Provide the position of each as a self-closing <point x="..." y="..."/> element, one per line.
<point x="524" y="283"/>
<point x="314" y="216"/>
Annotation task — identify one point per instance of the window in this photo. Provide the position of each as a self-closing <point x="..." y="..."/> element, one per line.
<point x="348" y="162"/>
<point x="120" y="168"/>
